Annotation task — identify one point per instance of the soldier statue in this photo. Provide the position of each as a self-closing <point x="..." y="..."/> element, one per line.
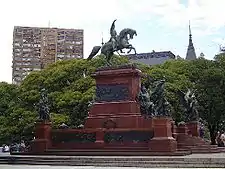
<point x="42" y="106"/>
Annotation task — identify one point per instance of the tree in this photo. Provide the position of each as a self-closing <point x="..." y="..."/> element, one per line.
<point x="69" y="84"/>
<point x="14" y="121"/>
<point x="8" y="93"/>
<point x="211" y="97"/>
<point x="208" y="78"/>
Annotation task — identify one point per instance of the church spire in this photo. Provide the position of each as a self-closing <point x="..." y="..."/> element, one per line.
<point x="191" y="50"/>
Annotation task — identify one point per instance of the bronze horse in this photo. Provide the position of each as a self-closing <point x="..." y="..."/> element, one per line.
<point x="115" y="44"/>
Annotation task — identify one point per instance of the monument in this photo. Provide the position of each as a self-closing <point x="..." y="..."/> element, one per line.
<point x="127" y="116"/>
<point x="42" y="126"/>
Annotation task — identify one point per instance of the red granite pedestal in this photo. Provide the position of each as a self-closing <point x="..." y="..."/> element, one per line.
<point x="183" y="138"/>
<point x="114" y="125"/>
<point x="42" y="139"/>
<point x="174" y="130"/>
<point x="193" y="127"/>
<point x="162" y="140"/>
<point x="116" y="105"/>
<point x="182" y="129"/>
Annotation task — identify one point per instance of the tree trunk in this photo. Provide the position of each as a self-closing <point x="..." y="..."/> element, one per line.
<point x="212" y="134"/>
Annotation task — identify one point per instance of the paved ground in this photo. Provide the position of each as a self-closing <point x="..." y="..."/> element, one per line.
<point x="215" y="156"/>
<point x="62" y="167"/>
<point x="4" y="154"/>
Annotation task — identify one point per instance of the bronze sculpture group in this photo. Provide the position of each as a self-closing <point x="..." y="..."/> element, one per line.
<point x="152" y="100"/>
<point x="189" y="103"/>
<point x="144" y="99"/>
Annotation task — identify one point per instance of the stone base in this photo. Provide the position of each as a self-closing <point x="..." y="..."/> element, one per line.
<point x="42" y="130"/>
<point x="164" y="144"/>
<point x="115" y="105"/>
<point x="118" y="121"/>
<point x="42" y="139"/>
<point x="182" y="129"/>
<point x="39" y="145"/>
<point x="193" y="127"/>
<point x="162" y="127"/>
<point x="162" y="140"/>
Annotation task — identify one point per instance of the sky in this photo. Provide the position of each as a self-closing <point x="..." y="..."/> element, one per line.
<point x="161" y="25"/>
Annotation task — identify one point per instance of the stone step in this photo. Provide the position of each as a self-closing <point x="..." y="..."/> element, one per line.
<point x="205" y="151"/>
<point x="88" y="158"/>
<point x="191" y="142"/>
<point x="155" y="164"/>
<point x="127" y="148"/>
<point x="108" y="147"/>
<point x="117" y="162"/>
<point x="203" y="148"/>
<point x="190" y="139"/>
<point x="198" y="146"/>
<point x="108" y="152"/>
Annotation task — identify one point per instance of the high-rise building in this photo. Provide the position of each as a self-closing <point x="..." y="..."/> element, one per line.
<point x="34" y="48"/>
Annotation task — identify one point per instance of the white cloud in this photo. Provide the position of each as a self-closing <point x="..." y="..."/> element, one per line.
<point x="219" y="41"/>
<point x="206" y="15"/>
<point x="95" y="17"/>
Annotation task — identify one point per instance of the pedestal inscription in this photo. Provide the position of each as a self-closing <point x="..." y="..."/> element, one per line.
<point x="111" y="92"/>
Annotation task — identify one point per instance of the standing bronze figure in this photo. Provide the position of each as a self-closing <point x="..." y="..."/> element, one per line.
<point x="42" y="106"/>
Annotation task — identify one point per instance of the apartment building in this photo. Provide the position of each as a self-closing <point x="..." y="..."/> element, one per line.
<point x="34" y="48"/>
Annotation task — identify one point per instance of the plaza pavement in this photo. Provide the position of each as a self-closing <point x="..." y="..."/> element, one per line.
<point x="214" y="160"/>
<point x="66" y="167"/>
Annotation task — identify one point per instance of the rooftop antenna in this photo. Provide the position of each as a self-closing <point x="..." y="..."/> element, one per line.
<point x="49" y="23"/>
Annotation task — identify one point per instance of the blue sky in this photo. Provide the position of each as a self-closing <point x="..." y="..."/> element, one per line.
<point x="162" y="25"/>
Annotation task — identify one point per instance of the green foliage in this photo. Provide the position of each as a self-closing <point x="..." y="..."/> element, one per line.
<point x="69" y="90"/>
<point x="58" y="119"/>
<point x="71" y="87"/>
<point x="8" y="93"/>
<point x="207" y="77"/>
<point x="211" y="96"/>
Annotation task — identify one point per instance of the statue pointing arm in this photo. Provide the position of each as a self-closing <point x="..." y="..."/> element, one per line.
<point x="113" y="34"/>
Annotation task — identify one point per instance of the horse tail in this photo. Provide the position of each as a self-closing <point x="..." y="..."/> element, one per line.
<point x="94" y="51"/>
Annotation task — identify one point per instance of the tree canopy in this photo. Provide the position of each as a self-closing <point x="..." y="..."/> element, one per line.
<point x="71" y="87"/>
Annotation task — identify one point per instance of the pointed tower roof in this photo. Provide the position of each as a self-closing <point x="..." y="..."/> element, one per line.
<point x="191" y="50"/>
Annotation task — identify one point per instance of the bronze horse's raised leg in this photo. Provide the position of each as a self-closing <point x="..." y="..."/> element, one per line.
<point x="131" y="47"/>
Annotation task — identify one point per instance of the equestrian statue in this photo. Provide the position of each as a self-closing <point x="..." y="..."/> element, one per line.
<point x="117" y="42"/>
